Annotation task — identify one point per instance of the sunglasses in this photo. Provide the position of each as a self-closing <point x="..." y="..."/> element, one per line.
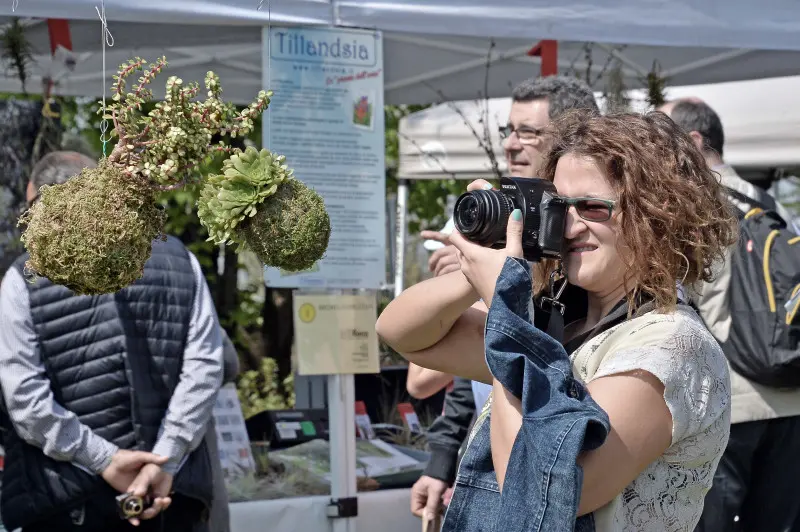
<point x="592" y="209"/>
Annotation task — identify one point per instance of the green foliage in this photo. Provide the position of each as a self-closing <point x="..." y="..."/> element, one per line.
<point x="656" y="85"/>
<point x="16" y="51"/>
<point x="262" y="390"/>
<point x="92" y="234"/>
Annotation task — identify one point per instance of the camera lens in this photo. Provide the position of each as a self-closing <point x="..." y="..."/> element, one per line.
<point x="468" y="215"/>
<point x="482" y="215"/>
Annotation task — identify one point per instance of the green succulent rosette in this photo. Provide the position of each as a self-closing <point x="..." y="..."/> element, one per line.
<point x="257" y="204"/>
<point x="227" y="199"/>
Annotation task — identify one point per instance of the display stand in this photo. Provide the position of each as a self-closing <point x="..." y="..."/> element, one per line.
<point x="341" y="420"/>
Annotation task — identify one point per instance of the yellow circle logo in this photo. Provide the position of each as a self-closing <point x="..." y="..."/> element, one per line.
<point x="307" y="312"/>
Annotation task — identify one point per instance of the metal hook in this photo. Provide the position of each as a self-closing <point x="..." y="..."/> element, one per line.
<point x="557" y="273"/>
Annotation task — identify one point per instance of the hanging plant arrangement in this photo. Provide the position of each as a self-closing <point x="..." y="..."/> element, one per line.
<point x="94" y="233"/>
<point x="258" y="204"/>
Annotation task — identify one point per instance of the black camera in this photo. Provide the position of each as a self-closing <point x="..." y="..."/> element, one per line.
<point x="129" y="505"/>
<point x="482" y="216"/>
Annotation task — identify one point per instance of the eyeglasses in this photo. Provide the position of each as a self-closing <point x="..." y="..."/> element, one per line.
<point x="525" y="134"/>
<point x="592" y="209"/>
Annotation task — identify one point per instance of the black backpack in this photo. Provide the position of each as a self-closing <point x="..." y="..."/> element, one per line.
<point x="764" y="296"/>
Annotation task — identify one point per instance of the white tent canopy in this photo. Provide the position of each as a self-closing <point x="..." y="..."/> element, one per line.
<point x="434" y="49"/>
<point x="761" y="120"/>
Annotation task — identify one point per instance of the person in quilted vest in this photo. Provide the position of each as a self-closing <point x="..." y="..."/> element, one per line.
<point x="107" y="395"/>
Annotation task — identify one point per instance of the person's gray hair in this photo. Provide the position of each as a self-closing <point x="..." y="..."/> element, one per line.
<point x="57" y="167"/>
<point x="696" y="115"/>
<point x="563" y="93"/>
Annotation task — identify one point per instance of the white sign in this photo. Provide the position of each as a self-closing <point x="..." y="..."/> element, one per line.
<point x="336" y="334"/>
<point x="233" y="442"/>
<point x="326" y="117"/>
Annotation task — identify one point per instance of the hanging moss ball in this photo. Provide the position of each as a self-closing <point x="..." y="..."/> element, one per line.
<point x="290" y="229"/>
<point x="94" y="233"/>
<point x="257" y="202"/>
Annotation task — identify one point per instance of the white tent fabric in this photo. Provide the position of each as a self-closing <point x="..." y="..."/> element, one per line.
<point x="761" y="120"/>
<point x="434" y="49"/>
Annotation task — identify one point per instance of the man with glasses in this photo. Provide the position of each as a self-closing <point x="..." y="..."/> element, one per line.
<point x="535" y="103"/>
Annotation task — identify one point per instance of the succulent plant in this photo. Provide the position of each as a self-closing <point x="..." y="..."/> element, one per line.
<point x="257" y="203"/>
<point x="94" y="232"/>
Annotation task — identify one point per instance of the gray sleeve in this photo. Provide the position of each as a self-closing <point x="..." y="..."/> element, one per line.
<point x="230" y="359"/>
<point x="192" y="403"/>
<point x="37" y="417"/>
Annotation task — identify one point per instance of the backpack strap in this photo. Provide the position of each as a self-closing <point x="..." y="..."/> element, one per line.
<point x="765" y="202"/>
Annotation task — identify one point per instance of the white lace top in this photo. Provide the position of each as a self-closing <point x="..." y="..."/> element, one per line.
<point x="678" y="349"/>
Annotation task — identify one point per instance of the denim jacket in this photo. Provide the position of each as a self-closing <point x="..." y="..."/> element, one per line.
<point x="559" y="420"/>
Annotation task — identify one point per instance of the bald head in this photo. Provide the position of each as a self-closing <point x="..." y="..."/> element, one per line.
<point x="56" y="168"/>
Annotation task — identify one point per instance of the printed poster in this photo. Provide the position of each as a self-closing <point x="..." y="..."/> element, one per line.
<point x="326" y="117"/>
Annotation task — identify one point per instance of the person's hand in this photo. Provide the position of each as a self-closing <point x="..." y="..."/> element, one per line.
<point x="426" y="496"/>
<point x="482" y="265"/>
<point x="448" y="496"/>
<point x="443" y="260"/>
<point x="125" y="466"/>
<point x="155" y="482"/>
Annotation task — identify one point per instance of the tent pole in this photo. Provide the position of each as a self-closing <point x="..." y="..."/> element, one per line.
<point x="400" y="235"/>
<point x="547" y="49"/>
<point x="58" y="31"/>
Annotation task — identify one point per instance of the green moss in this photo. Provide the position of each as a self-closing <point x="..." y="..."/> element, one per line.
<point x="290" y="230"/>
<point x="93" y="234"/>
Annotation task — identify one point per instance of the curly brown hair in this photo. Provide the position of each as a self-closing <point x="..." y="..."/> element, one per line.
<point x="676" y="221"/>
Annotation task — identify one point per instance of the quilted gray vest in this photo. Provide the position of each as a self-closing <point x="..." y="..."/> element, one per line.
<point x="125" y="350"/>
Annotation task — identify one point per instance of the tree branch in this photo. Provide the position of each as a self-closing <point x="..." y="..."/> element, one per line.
<point x="426" y="154"/>
<point x="484" y="141"/>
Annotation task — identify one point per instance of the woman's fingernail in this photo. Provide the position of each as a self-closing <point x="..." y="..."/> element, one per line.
<point x="516" y="215"/>
<point x="487" y="186"/>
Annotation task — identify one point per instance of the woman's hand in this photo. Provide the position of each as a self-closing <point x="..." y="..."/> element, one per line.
<point x="482" y="265"/>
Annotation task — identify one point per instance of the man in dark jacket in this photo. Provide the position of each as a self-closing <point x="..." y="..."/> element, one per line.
<point x="445" y="437"/>
<point x="108" y="394"/>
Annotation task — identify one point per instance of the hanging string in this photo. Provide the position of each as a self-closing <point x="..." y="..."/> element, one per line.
<point x="269" y="61"/>
<point x="107" y="40"/>
<point x="14" y="6"/>
<point x="269" y="67"/>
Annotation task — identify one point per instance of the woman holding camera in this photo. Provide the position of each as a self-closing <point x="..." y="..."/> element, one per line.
<point x="621" y="424"/>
